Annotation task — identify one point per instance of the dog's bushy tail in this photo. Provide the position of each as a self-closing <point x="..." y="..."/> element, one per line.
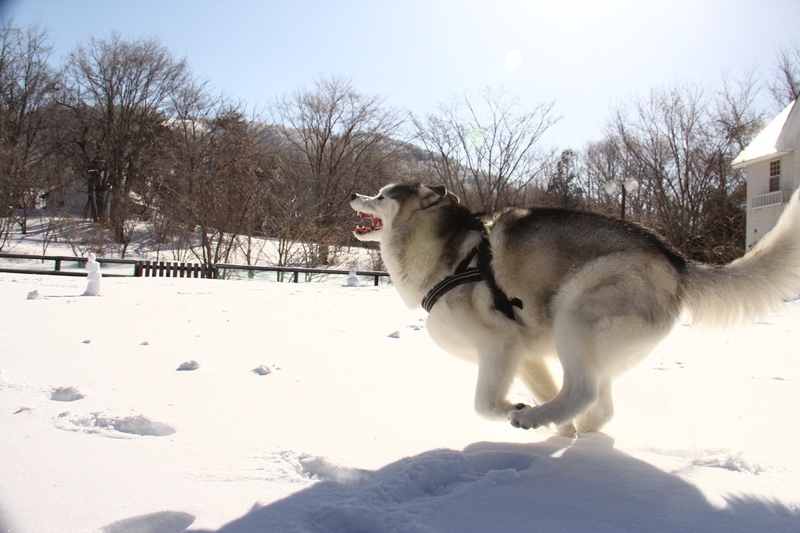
<point x="753" y="285"/>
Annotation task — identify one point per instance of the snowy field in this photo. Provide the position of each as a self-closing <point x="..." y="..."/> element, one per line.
<point x="317" y="407"/>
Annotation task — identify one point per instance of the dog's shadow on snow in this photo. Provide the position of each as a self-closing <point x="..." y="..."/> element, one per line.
<point x="556" y="485"/>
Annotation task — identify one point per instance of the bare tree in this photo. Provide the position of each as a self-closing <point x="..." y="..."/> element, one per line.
<point x="116" y="93"/>
<point x="335" y="139"/>
<point x="785" y="85"/>
<point x="563" y="186"/>
<point x="235" y="187"/>
<point x="192" y="108"/>
<point x="221" y="175"/>
<point x="27" y="84"/>
<point x="287" y="204"/>
<point x="735" y="120"/>
<point x="603" y="162"/>
<point x="678" y="143"/>
<point x="486" y="150"/>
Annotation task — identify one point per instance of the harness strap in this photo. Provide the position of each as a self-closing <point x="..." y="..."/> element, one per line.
<point x="502" y="302"/>
<point x="464" y="274"/>
<point x="473" y="275"/>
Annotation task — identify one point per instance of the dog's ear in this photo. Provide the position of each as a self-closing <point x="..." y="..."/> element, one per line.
<point x="441" y="190"/>
<point x="433" y="194"/>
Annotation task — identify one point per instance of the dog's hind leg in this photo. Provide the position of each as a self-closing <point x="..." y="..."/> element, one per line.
<point x="586" y="335"/>
<point x="602" y="412"/>
<point x="592" y="350"/>
<point x="608" y="317"/>
<point x="591" y="353"/>
<point x="581" y="387"/>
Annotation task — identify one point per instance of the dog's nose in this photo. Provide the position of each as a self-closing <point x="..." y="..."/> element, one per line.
<point x="353" y="196"/>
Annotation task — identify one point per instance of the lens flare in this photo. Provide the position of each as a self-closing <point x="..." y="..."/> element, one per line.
<point x="513" y="60"/>
<point x="474" y="138"/>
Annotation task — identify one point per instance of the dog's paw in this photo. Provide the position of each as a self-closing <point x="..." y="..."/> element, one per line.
<point x="517" y="408"/>
<point x="526" y="418"/>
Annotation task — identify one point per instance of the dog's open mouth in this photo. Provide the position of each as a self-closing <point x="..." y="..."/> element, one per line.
<point x="368" y="223"/>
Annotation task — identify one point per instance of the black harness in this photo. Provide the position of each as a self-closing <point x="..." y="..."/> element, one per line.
<point x="482" y="272"/>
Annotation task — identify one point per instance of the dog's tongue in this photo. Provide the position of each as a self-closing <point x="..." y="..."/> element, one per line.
<point x="375" y="222"/>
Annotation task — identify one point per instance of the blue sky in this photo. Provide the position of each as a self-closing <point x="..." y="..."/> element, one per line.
<point x="586" y="55"/>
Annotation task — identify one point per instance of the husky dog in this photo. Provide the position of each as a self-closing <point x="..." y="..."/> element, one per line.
<point x="597" y="292"/>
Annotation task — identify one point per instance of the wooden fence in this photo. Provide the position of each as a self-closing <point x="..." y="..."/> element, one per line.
<point x="220" y="269"/>
<point x="55" y="265"/>
<point x="162" y="269"/>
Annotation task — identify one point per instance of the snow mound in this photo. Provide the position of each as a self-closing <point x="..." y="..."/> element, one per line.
<point x="262" y="370"/>
<point x="321" y="469"/>
<point x="188" y="365"/>
<point x="162" y="522"/>
<point x="110" y="426"/>
<point x="735" y="462"/>
<point x="66" y="394"/>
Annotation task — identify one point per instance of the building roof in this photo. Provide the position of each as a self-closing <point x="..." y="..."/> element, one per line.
<point x="773" y="140"/>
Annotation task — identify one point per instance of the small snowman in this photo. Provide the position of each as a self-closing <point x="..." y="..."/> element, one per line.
<point x="94" y="275"/>
<point x="352" y="281"/>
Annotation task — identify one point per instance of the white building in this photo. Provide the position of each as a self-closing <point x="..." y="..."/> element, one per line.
<point x="772" y="163"/>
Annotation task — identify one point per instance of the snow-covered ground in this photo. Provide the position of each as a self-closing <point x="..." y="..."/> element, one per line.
<point x="318" y="407"/>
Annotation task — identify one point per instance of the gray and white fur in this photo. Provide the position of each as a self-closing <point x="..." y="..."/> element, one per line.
<point x="598" y="293"/>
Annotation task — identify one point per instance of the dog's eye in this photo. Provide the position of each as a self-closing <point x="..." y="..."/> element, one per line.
<point x="380" y="197"/>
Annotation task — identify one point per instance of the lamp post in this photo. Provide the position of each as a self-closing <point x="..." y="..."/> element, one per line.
<point x="629" y="186"/>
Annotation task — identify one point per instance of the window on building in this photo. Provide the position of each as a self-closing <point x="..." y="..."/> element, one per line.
<point x="775" y="175"/>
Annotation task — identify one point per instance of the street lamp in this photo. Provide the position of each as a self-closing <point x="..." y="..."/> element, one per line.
<point x="630" y="186"/>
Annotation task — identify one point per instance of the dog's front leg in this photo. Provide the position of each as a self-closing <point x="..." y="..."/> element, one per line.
<point x="496" y="371"/>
